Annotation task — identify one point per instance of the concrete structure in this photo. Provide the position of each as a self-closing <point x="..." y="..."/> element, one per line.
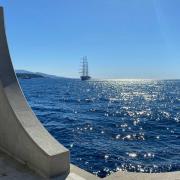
<point x="27" y="150"/>
<point x="22" y="136"/>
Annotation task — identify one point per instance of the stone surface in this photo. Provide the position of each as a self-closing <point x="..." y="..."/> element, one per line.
<point x="79" y="174"/>
<point x="12" y="170"/>
<point x="144" y="176"/>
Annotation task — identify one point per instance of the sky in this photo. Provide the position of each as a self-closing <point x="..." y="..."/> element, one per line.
<point x="121" y="38"/>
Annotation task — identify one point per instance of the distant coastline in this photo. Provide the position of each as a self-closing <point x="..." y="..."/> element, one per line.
<point x="28" y="76"/>
<point x="23" y="74"/>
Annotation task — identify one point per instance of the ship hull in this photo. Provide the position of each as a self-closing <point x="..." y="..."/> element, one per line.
<point x="85" y="78"/>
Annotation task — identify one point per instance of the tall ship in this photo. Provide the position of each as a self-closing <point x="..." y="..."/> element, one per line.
<point x="85" y="69"/>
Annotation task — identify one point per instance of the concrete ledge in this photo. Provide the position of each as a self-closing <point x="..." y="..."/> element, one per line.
<point x="22" y="136"/>
<point x="12" y="170"/>
<point x="144" y="176"/>
<point x="80" y="174"/>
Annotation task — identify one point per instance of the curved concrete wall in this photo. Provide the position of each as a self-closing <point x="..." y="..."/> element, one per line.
<point x="21" y="134"/>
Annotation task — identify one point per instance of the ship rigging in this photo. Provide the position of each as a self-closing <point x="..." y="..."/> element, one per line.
<point x="85" y="69"/>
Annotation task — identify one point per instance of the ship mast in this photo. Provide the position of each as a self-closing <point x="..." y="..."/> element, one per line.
<point x="85" y="69"/>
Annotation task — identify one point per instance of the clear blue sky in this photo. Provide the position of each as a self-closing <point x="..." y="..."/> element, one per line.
<point x="122" y="38"/>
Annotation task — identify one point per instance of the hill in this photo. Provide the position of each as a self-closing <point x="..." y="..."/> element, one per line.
<point x="28" y="76"/>
<point x="23" y="74"/>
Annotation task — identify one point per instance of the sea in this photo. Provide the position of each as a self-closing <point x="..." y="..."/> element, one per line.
<point x="111" y="125"/>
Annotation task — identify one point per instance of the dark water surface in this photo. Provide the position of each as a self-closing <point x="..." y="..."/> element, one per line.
<point x="112" y="125"/>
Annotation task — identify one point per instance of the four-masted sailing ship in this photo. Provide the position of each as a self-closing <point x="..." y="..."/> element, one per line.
<point x="85" y="70"/>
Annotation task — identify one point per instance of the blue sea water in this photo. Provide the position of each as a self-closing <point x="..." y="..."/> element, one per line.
<point x="111" y="125"/>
